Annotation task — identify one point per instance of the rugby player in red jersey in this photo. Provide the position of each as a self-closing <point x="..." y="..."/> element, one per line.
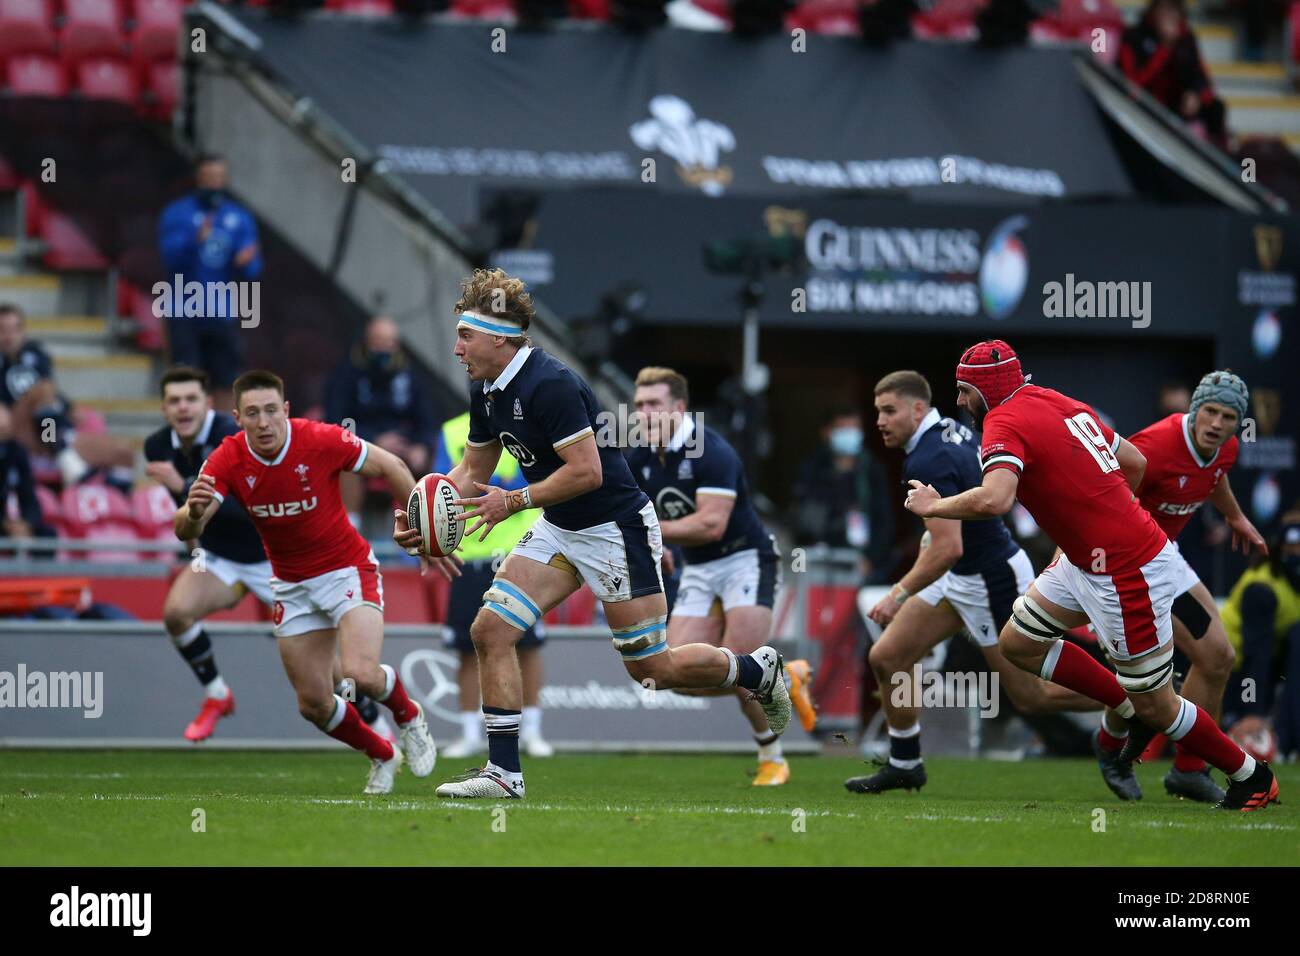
<point x="327" y="588"/>
<point x="1117" y="568"/>
<point x="1188" y="458"/>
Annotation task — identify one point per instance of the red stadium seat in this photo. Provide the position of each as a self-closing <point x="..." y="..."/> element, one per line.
<point x="499" y="10"/>
<point x="1293" y="28"/>
<point x="91" y="28"/>
<point x="577" y="610"/>
<point x="134" y="304"/>
<point x="153" y="508"/>
<point x="34" y="74"/>
<point x="49" y="505"/>
<point x="101" y="78"/>
<point x="162" y="89"/>
<point x="51" y="513"/>
<point x="364" y="8"/>
<point x="831" y="17"/>
<point x="1076" y="20"/>
<point x="67" y="246"/>
<point x="589" y="9"/>
<point x="32" y="210"/>
<point x="948" y="20"/>
<point x="100" y="513"/>
<point x="25" y="27"/>
<point x="719" y="8"/>
<point x="157" y="26"/>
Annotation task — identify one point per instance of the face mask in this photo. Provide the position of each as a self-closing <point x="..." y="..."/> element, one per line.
<point x="846" y="441"/>
<point x="211" y="198"/>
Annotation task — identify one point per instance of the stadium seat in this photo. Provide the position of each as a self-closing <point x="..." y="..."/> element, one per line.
<point x="719" y="8"/>
<point x="66" y="245"/>
<point x="364" y="8"/>
<point x="154" y="509"/>
<point x="51" y="513"/>
<point x="948" y="20"/>
<point x="35" y="74"/>
<point x="577" y="610"/>
<point x="161" y="90"/>
<point x="25" y="27"/>
<point x="831" y="17"/>
<point x="1293" y="31"/>
<point x="91" y="28"/>
<point x="1074" y="20"/>
<point x="100" y="513"/>
<point x="101" y="78"/>
<point x="134" y="304"/>
<point x="589" y="9"/>
<point x="496" y="10"/>
<point x="32" y="209"/>
<point x="157" y="26"/>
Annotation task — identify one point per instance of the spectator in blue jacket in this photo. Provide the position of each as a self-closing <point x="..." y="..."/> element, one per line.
<point x="378" y="393"/>
<point x="208" y="237"/>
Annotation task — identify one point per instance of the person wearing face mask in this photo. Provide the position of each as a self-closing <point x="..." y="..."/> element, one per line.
<point x="380" y="392"/>
<point x="840" y="496"/>
<point x="207" y="237"/>
<point x="1262" y="618"/>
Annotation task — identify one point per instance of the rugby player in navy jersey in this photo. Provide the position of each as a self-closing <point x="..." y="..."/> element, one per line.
<point x="596" y="527"/>
<point x="966" y="578"/>
<point x="728" y="587"/>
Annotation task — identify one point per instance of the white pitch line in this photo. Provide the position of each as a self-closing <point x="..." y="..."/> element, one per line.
<point x="392" y="806"/>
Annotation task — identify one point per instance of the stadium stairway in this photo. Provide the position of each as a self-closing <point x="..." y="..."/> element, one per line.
<point x="1260" y="97"/>
<point x="73" y="314"/>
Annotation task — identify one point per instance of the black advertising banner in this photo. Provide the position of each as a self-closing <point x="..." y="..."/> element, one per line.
<point x="892" y="264"/>
<point x="1260" y="340"/>
<point x="453" y="107"/>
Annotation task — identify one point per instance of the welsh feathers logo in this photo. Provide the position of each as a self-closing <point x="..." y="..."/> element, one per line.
<point x="696" y="144"/>
<point x="1004" y="271"/>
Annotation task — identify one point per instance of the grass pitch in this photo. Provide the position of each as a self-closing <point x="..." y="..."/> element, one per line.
<point x="138" y="808"/>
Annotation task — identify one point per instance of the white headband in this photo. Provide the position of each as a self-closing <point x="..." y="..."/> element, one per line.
<point x="494" y="325"/>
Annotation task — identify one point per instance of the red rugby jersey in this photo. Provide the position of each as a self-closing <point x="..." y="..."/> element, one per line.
<point x="1178" y="479"/>
<point x="294" y="499"/>
<point x="1070" y="479"/>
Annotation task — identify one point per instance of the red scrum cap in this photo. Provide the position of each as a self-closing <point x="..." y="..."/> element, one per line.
<point x="992" y="369"/>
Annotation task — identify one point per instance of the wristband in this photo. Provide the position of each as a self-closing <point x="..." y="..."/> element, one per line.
<point x="519" y="500"/>
<point x="899" y="589"/>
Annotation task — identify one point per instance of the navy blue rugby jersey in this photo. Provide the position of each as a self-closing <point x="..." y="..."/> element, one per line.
<point x="673" y="480"/>
<point x="946" y="454"/>
<point x="537" y="406"/>
<point x="230" y="534"/>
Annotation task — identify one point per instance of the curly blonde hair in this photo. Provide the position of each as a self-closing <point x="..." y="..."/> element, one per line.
<point x="495" y="292"/>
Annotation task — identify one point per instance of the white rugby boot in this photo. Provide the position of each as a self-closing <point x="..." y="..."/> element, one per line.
<point x="382" y="773"/>
<point x="486" y="783"/>
<point x="772" y="694"/>
<point x="535" y="746"/>
<point x="417" y="743"/>
<point x="464" y="747"/>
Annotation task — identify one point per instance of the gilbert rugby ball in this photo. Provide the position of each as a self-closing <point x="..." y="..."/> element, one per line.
<point x="430" y="509"/>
